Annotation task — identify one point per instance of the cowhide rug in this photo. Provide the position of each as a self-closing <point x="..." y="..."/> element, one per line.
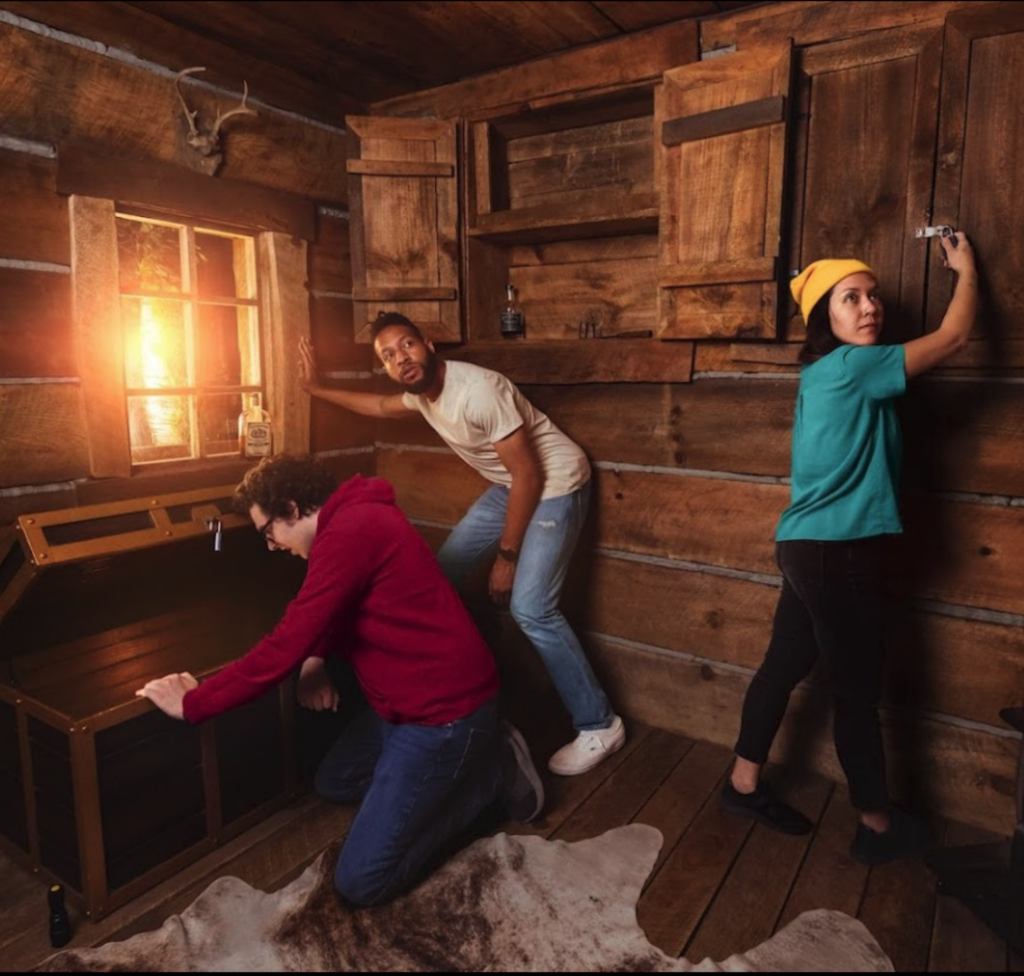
<point x="503" y="904"/>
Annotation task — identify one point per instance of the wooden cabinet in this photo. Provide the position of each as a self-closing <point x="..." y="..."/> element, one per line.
<point x="561" y="203"/>
<point x="558" y="201"/>
<point x="680" y="207"/>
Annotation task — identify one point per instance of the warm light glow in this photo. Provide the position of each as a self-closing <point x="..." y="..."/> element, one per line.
<point x="164" y="414"/>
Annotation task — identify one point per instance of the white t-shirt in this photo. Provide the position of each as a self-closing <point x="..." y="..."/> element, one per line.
<point x="479" y="407"/>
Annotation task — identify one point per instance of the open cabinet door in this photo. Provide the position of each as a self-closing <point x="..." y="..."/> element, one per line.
<point x="722" y="147"/>
<point x="981" y="144"/>
<point x="403" y="202"/>
<point x="865" y="197"/>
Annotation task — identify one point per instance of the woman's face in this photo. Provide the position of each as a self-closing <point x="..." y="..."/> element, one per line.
<point x="855" y="310"/>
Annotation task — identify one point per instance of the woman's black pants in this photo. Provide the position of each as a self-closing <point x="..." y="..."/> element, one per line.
<point x="832" y="607"/>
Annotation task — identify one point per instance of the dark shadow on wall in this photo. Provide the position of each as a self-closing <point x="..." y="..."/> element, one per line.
<point x="943" y="416"/>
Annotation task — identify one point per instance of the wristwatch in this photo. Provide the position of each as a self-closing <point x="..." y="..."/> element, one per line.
<point x="509" y="555"/>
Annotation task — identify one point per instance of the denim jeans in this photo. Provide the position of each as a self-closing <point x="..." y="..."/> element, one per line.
<point x="540" y="572"/>
<point x="832" y="606"/>
<point x="417" y="785"/>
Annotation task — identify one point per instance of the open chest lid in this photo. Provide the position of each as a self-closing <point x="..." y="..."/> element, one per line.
<point x="69" y="573"/>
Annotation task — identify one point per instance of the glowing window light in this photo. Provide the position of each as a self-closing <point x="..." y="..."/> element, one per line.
<point x="166" y="415"/>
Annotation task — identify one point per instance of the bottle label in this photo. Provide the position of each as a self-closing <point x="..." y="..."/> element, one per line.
<point x="257" y="439"/>
<point x="511" y="322"/>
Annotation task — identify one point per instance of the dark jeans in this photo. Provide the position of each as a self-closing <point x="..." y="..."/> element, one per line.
<point x="419" y="786"/>
<point x="832" y="606"/>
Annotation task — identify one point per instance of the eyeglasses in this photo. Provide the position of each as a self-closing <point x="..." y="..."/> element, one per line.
<point x="266" y="531"/>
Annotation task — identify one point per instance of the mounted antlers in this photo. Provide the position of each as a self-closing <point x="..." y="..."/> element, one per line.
<point x="207" y="142"/>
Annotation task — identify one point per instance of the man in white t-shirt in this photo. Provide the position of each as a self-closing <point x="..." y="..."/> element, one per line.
<point x="528" y="521"/>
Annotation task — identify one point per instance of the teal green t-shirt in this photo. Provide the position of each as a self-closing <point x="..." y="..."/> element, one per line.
<point x="847" y="446"/>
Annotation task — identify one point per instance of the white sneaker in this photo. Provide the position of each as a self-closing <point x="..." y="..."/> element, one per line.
<point x="588" y="749"/>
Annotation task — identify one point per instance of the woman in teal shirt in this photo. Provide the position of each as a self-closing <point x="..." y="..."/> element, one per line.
<point x="830" y="541"/>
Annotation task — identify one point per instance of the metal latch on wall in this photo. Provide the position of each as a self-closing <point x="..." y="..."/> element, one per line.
<point x="215" y="526"/>
<point x="939" y="230"/>
<point x="210" y="516"/>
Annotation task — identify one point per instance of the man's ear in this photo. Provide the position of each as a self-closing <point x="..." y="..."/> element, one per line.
<point x="293" y="511"/>
<point x="429" y="343"/>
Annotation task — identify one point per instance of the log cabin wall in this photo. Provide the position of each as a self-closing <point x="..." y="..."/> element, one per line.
<point x="893" y="116"/>
<point x="688" y="429"/>
<point x="121" y="139"/>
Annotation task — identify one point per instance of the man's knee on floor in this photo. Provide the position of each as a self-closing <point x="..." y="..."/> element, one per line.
<point x="362" y="890"/>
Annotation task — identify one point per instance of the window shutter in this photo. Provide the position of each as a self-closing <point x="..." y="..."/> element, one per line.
<point x="403" y="200"/>
<point x="721" y="131"/>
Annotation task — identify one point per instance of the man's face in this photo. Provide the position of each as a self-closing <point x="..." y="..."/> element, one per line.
<point x="407" y="359"/>
<point x="293" y="534"/>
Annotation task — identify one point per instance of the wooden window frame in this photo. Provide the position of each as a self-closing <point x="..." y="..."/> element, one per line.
<point x="281" y="224"/>
<point x="181" y="292"/>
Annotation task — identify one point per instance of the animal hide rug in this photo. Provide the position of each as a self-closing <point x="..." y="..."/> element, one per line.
<point x="504" y="904"/>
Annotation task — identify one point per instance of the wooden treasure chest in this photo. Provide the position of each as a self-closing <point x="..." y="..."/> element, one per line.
<point x="100" y="790"/>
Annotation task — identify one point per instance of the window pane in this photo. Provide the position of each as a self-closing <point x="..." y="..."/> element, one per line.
<point x="218" y="423"/>
<point x="228" y="353"/>
<point x="155" y="343"/>
<point x="149" y="256"/>
<point x="160" y="428"/>
<point x="224" y="266"/>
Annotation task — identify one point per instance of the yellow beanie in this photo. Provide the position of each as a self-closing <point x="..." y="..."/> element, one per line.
<point x="817" y="278"/>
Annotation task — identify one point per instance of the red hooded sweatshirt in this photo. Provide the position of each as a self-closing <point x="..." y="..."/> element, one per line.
<point x="375" y="595"/>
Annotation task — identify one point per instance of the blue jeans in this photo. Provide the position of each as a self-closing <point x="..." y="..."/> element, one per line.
<point x="419" y="786"/>
<point x="832" y="606"/>
<point x="540" y="572"/>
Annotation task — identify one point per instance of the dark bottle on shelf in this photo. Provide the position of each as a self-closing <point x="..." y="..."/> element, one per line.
<point x="60" y="923"/>
<point x="512" y="326"/>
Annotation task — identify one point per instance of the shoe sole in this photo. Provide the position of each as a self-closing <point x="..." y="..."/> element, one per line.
<point x="525" y="762"/>
<point x="767" y="821"/>
<point x="597" y="759"/>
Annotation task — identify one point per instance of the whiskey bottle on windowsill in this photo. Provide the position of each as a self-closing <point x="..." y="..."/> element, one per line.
<point x="255" y="438"/>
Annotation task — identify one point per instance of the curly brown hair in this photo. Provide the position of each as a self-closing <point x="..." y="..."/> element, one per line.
<point x="281" y="479"/>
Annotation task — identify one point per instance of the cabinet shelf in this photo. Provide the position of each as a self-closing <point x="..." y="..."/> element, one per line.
<point x="599" y="216"/>
<point x="564" y="362"/>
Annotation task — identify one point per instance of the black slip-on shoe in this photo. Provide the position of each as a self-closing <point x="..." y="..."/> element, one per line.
<point x="907" y="837"/>
<point x="765" y="807"/>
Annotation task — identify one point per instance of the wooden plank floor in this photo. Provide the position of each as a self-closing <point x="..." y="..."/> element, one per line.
<point x="720" y="885"/>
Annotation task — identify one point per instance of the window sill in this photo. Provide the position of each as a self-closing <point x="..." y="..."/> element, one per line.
<point x="171" y="476"/>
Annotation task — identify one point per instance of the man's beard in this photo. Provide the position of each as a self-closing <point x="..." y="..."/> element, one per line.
<point x="429" y="368"/>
